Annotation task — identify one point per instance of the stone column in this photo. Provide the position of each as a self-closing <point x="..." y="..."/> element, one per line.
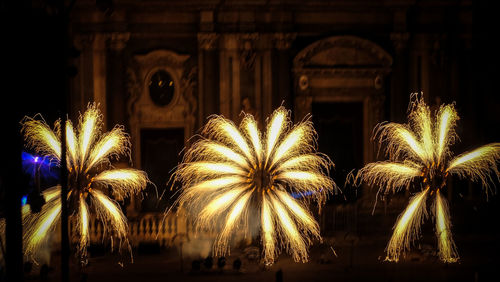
<point x="282" y="69"/>
<point x="99" y="50"/>
<point x="229" y="76"/>
<point x="116" y="97"/>
<point x="248" y="76"/>
<point x="116" y="90"/>
<point x="208" y="76"/>
<point x="82" y="85"/>
<point x="399" y="84"/>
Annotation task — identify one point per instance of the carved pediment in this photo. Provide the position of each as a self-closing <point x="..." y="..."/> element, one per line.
<point x="162" y="58"/>
<point x="343" y="69"/>
<point x="343" y="51"/>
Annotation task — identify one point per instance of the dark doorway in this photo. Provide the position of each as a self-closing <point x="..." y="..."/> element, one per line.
<point x="160" y="153"/>
<point x="340" y="136"/>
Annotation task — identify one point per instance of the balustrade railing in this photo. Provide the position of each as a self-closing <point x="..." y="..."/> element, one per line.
<point x="144" y="228"/>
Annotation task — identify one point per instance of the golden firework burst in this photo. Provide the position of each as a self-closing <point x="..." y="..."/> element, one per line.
<point x="420" y="151"/>
<point x="89" y="155"/>
<point x="236" y="178"/>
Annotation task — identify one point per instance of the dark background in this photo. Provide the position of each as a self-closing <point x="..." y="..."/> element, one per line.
<point x="36" y="70"/>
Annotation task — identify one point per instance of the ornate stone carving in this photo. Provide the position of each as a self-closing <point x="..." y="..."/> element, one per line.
<point x="343" y="69"/>
<point x="303" y="104"/>
<point x="378" y="82"/>
<point x="400" y="40"/>
<point x="118" y="40"/>
<point x="342" y="51"/>
<point x="438" y="55"/>
<point x="341" y="72"/>
<point x="143" y="112"/>
<point x="188" y="83"/>
<point x="303" y="82"/>
<point x="377" y="106"/>
<point x="247" y="43"/>
<point x="283" y="41"/>
<point x="83" y="41"/>
<point x="162" y="58"/>
<point x="133" y="89"/>
<point x="208" y="40"/>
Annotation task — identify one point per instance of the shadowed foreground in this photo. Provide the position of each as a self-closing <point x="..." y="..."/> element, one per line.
<point x="361" y="263"/>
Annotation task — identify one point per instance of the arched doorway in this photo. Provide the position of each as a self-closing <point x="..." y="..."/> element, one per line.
<point x="340" y="80"/>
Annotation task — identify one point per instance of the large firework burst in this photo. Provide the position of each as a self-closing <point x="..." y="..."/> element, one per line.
<point x="419" y="152"/>
<point x="237" y="178"/>
<point x="89" y="154"/>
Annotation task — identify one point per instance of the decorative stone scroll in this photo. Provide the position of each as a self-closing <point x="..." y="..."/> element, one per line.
<point x="208" y="40"/>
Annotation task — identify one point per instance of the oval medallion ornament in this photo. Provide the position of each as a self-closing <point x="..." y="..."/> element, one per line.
<point x="161" y="88"/>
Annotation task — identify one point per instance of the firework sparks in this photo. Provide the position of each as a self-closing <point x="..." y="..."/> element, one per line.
<point x="419" y="151"/>
<point x="38" y="226"/>
<point x="407" y="227"/>
<point x="446" y="246"/>
<point x="89" y="164"/>
<point x="235" y="178"/>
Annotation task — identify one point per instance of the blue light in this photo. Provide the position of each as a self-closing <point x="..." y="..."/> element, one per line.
<point x="24" y="200"/>
<point x="302" y="195"/>
<point x="29" y="158"/>
<point x="46" y="166"/>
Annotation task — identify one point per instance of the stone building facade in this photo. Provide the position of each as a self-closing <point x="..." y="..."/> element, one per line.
<point x="351" y="64"/>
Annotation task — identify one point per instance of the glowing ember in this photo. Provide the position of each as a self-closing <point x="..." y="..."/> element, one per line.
<point x="237" y="179"/>
<point x="89" y="164"/>
<point x="420" y="151"/>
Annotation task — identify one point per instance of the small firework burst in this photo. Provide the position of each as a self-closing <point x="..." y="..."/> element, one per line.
<point x="236" y="178"/>
<point x="89" y="155"/>
<point x="419" y="152"/>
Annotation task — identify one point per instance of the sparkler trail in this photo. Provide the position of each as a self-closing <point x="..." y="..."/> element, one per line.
<point x="446" y="246"/>
<point x="37" y="226"/>
<point x="407" y="227"/>
<point x="236" y="176"/>
<point x="419" y="153"/>
<point x="89" y="163"/>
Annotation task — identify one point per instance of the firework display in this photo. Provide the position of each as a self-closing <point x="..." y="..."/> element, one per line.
<point x="237" y="179"/>
<point x="91" y="176"/>
<point x="419" y="153"/>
